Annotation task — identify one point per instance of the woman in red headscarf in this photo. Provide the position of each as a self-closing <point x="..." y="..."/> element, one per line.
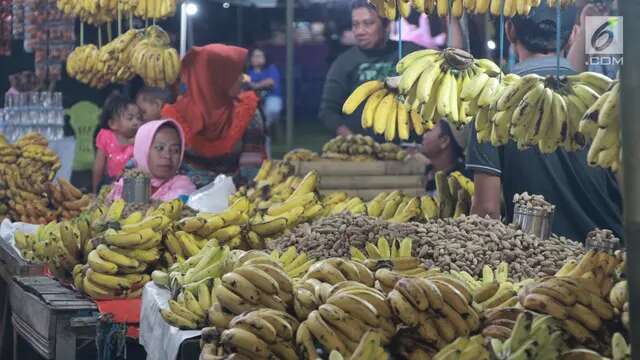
<point x="213" y="111"/>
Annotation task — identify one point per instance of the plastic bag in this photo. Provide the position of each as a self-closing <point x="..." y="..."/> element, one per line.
<point x="8" y="230"/>
<point x="213" y="198"/>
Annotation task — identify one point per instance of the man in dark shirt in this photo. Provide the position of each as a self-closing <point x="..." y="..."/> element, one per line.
<point x="585" y="197"/>
<point x="374" y="57"/>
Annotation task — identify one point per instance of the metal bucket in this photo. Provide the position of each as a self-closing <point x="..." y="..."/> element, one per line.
<point x="533" y="221"/>
<point x="136" y="190"/>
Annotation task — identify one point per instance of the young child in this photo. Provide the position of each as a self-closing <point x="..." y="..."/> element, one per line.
<point x="150" y="100"/>
<point x="158" y="151"/>
<point x="119" y="122"/>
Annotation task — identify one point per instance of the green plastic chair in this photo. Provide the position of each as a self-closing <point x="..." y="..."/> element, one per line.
<point x="84" y="120"/>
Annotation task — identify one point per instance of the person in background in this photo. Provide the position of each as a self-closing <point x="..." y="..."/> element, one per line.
<point x="150" y="100"/>
<point x="577" y="54"/>
<point x="374" y="58"/>
<point x="214" y="111"/>
<point x="158" y="152"/>
<point x="585" y="197"/>
<point x="265" y="80"/>
<point x="119" y="122"/>
<point x="443" y="146"/>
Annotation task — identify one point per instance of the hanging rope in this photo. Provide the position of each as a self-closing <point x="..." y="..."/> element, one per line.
<point x="81" y="33"/>
<point x="400" y="38"/>
<point x="130" y="20"/>
<point x="99" y="36"/>
<point x="558" y="24"/>
<point x="109" y="34"/>
<point x="501" y="34"/>
<point x="119" y="21"/>
<point x="449" y="41"/>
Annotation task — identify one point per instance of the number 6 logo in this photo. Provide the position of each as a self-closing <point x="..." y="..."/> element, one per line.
<point x="596" y="38"/>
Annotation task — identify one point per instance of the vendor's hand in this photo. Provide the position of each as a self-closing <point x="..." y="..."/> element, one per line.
<point x="343" y="131"/>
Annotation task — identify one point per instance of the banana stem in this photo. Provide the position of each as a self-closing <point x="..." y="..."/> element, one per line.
<point x="81" y="33"/>
<point x="449" y="41"/>
<point x="119" y="21"/>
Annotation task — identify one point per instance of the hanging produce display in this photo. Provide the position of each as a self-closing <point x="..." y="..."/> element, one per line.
<point x="146" y="53"/>
<point x="430" y="86"/>
<point x="601" y="126"/>
<point x="100" y="12"/>
<point x="390" y="9"/>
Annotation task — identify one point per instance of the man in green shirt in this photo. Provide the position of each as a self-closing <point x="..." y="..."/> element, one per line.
<point x="585" y="197"/>
<point x="374" y="57"/>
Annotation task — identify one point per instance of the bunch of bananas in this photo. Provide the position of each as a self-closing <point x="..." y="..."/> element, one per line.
<point x="396" y="256"/>
<point x="99" y="12"/>
<point x="575" y="300"/>
<point x="90" y="11"/>
<point x="301" y="155"/>
<point x="336" y="270"/>
<point x="533" y="337"/>
<point x="394" y="207"/>
<point x="190" y="234"/>
<point x="68" y="198"/>
<point x="294" y="263"/>
<point x="454" y="195"/>
<point x="620" y="350"/>
<point x="255" y="282"/>
<point x="619" y="299"/>
<point x="369" y="347"/>
<point x="390" y="9"/>
<point x="464" y="348"/>
<point x="498" y="323"/>
<point x="118" y="264"/>
<point x="115" y="57"/>
<point x="432" y="82"/>
<point x="494" y="290"/>
<point x="438" y="306"/>
<point x="348" y="311"/>
<point x="546" y="111"/>
<point x="82" y="66"/>
<point x="155" y="9"/>
<point x="262" y="333"/>
<point x="601" y="125"/>
<point x="384" y="111"/>
<point x="361" y="148"/>
<point x="154" y="59"/>
<point x="26" y="168"/>
<point x="491" y="125"/>
<point x="57" y="244"/>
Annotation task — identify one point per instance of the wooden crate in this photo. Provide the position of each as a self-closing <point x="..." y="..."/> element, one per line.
<point x="359" y="168"/>
<point x="366" y="179"/>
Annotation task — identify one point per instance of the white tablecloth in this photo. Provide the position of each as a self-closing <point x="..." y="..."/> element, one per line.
<point x="161" y="340"/>
<point x="66" y="150"/>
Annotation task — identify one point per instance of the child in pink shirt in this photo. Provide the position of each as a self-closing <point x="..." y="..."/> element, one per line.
<point x="119" y="122"/>
<point x="158" y="151"/>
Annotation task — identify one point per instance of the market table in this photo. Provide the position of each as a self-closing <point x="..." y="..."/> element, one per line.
<point x="11" y="264"/>
<point x="50" y="317"/>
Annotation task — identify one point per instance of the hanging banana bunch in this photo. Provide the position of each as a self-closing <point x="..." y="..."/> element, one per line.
<point x="601" y="124"/>
<point x="389" y="9"/>
<point x="534" y="110"/>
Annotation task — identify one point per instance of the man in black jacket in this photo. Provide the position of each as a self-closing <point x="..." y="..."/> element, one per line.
<point x="374" y="57"/>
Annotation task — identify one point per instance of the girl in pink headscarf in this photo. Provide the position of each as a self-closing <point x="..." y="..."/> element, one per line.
<point x="158" y="151"/>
